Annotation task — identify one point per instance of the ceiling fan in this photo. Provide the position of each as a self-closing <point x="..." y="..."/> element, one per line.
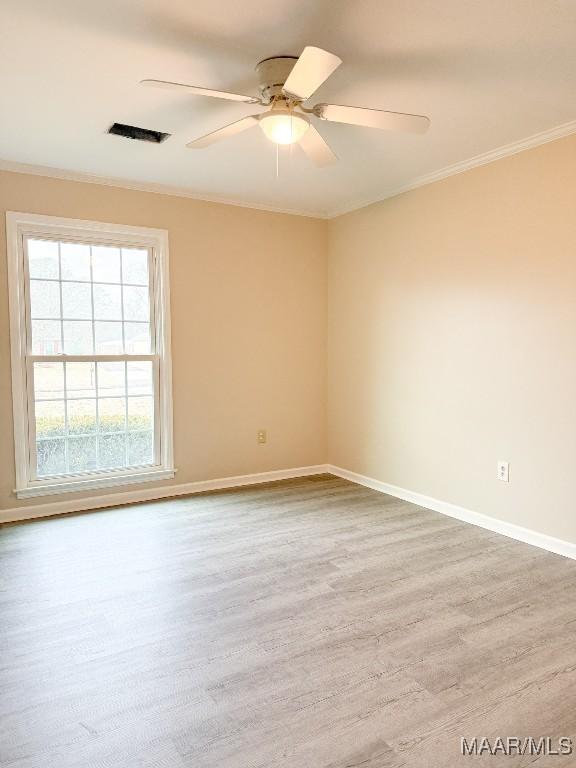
<point x="286" y="83"/>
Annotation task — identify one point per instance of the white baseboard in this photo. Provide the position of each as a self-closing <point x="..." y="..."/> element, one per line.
<point x="31" y="512"/>
<point x="526" y="535"/>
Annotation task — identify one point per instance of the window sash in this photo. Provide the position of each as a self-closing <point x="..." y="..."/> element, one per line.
<point x="21" y="228"/>
<point x="32" y="438"/>
<point x="55" y="238"/>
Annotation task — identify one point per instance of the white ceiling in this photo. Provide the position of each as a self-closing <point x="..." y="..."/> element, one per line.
<point x="486" y="72"/>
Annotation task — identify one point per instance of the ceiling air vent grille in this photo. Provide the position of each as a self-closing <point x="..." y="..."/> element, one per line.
<point x="138" y="134"/>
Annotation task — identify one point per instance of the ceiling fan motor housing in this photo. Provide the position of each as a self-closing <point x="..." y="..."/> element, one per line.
<point x="272" y="74"/>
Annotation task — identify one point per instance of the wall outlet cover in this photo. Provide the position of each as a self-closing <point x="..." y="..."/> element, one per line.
<point x="504" y="471"/>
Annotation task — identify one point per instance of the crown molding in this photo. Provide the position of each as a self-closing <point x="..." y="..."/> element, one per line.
<point x="536" y="140"/>
<point x="158" y="189"/>
<point x="552" y="134"/>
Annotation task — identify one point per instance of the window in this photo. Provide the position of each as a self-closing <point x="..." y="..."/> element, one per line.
<point x="90" y="354"/>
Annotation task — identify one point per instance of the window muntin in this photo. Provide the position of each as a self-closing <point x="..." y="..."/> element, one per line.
<point x="99" y="305"/>
<point x="93" y="415"/>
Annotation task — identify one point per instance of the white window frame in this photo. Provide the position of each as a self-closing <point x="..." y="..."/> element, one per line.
<point x="20" y="226"/>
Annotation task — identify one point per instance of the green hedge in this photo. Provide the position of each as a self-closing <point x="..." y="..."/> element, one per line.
<point x="51" y="426"/>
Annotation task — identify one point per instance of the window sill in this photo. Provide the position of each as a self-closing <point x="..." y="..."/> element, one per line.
<point x="87" y="484"/>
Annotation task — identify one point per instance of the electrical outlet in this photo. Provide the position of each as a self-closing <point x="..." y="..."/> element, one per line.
<point x="261" y="436"/>
<point x="504" y="471"/>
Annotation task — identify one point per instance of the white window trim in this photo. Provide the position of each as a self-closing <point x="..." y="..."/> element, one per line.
<point x="20" y="225"/>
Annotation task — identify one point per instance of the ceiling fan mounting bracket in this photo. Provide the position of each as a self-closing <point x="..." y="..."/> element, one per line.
<point x="272" y="74"/>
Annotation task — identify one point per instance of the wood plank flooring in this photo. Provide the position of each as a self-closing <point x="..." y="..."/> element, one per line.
<point x="309" y="623"/>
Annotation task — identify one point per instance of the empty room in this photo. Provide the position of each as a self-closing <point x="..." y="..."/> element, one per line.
<point x="287" y="384"/>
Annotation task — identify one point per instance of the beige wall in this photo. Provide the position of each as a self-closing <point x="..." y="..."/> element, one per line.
<point x="248" y="325"/>
<point x="452" y="339"/>
<point x="451" y="334"/>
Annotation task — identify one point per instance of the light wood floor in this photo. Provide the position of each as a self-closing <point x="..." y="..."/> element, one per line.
<point x="304" y="624"/>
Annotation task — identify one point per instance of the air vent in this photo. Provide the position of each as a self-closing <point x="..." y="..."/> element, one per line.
<point x="138" y="134"/>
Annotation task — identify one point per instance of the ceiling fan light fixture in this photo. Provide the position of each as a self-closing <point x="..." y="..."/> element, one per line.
<point x="283" y="126"/>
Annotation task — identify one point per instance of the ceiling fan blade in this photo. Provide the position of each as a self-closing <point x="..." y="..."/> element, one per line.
<point x="316" y="148"/>
<point x="224" y="133"/>
<point x="195" y="90"/>
<point x="373" y="118"/>
<point x="312" y="68"/>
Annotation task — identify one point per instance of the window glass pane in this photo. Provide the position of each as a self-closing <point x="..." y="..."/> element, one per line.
<point x="135" y="266"/>
<point x="51" y="457"/>
<point x="43" y="259"/>
<point x="107" y="303"/>
<point x="140" y="412"/>
<point x="137" y="338"/>
<point x="105" y="264"/>
<point x="108" y="338"/>
<point x="76" y="301"/>
<point x="111" y="379"/>
<point x="80" y="380"/>
<point x="49" y="381"/>
<point x="78" y="337"/>
<point x="46" y="337"/>
<point x="82" y="454"/>
<point x="136" y="303"/>
<point x="111" y="450"/>
<point x="140" y="448"/>
<point x="81" y="417"/>
<point x="44" y="299"/>
<point x="49" y="418"/>
<point x="140" y="378"/>
<point x="112" y="414"/>
<point x="75" y="261"/>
